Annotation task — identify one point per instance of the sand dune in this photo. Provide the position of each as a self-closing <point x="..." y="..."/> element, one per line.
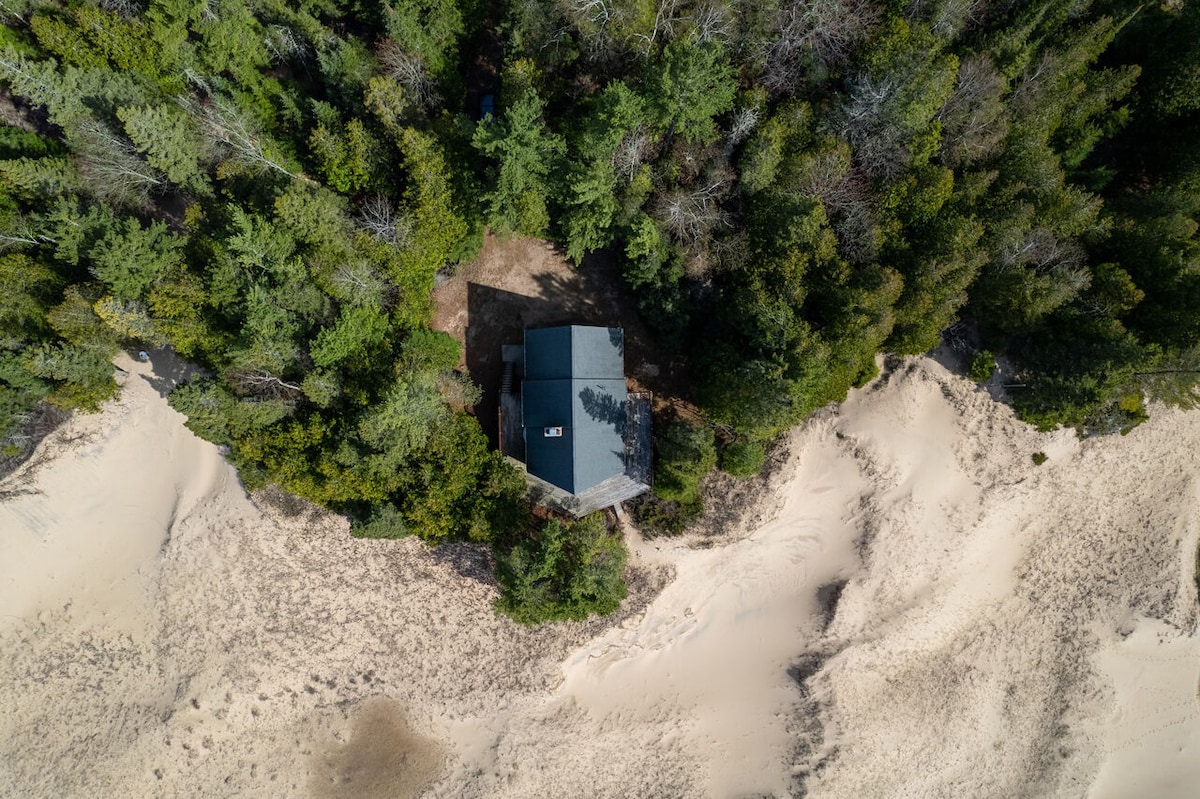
<point x="973" y="647"/>
<point x="924" y="612"/>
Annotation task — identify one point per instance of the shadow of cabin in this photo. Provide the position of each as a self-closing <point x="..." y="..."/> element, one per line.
<point x="499" y="317"/>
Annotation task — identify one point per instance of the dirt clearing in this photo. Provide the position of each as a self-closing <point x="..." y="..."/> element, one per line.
<point x="521" y="283"/>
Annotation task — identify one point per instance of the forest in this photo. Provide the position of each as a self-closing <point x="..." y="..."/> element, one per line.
<point x="790" y="186"/>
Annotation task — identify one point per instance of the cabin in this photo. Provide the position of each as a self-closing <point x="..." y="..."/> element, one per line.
<point x="567" y="416"/>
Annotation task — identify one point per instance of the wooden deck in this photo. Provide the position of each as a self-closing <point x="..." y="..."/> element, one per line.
<point x="512" y="440"/>
<point x="638" y="444"/>
<point x="613" y="491"/>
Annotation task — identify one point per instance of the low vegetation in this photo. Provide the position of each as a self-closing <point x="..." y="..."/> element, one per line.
<point x="983" y="366"/>
<point x="743" y="458"/>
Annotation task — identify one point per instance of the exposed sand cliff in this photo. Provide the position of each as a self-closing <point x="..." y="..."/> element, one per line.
<point x="924" y="613"/>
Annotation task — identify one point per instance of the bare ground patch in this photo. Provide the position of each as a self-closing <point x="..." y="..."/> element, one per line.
<point x="520" y="283"/>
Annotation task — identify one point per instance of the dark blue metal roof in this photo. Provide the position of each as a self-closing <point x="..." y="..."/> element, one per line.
<point x="574" y="379"/>
<point x="548" y="353"/>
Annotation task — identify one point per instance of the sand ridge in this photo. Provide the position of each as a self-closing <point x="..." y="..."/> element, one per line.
<point x="921" y="611"/>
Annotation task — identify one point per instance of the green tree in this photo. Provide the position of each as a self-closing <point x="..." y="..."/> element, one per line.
<point x="131" y="257"/>
<point x="359" y="332"/>
<point x="348" y="158"/>
<point x="686" y="453"/>
<point x="438" y="228"/>
<point x="526" y="155"/>
<point x="82" y="375"/>
<point x="428" y="30"/>
<point x="27" y="288"/>
<point x="692" y="85"/>
<point x="36" y="178"/>
<point x="170" y="140"/>
<point x="568" y="571"/>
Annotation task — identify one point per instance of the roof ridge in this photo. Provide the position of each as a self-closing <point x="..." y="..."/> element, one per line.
<point x="571" y="407"/>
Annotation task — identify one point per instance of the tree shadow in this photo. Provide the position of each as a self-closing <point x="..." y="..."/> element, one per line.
<point x="604" y="408"/>
<point x="617" y="339"/>
<point x="169" y="370"/>
<point x="472" y="561"/>
<point x="593" y="293"/>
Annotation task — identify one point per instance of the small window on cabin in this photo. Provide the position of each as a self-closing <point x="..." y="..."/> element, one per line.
<point x="553" y="432"/>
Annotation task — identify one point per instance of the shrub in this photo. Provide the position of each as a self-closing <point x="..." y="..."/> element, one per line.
<point x="656" y="516"/>
<point x="743" y="458"/>
<point x="983" y="366"/>
<point x="686" y="452"/>
<point x="1039" y="458"/>
<point x="382" y="521"/>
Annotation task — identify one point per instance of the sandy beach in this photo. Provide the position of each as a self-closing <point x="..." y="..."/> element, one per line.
<point x="915" y="609"/>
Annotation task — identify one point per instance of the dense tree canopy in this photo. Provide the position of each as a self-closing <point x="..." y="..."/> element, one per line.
<point x="790" y="187"/>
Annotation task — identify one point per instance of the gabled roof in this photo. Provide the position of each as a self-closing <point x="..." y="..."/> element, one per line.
<point x="574" y="379"/>
<point x="575" y="352"/>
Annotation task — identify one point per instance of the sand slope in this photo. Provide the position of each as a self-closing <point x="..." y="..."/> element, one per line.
<point x="980" y="649"/>
<point x="925" y="613"/>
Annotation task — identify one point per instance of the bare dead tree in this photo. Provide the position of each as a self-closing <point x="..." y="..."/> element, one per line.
<point x="814" y="33"/>
<point x="18" y="232"/>
<point x="1056" y="267"/>
<point x="198" y="80"/>
<point x="690" y="213"/>
<point x="379" y="218"/>
<point x="1030" y="86"/>
<point x="844" y="190"/>
<point x="258" y="382"/>
<point x="284" y="43"/>
<point x="15" y="11"/>
<point x="458" y="389"/>
<point x="408" y="70"/>
<point x="1010" y="250"/>
<point x="868" y="120"/>
<point x="1040" y="250"/>
<point x="947" y="18"/>
<point x="1098" y="307"/>
<point x="714" y="22"/>
<point x="857" y="232"/>
<point x="227" y="128"/>
<point x="8" y="240"/>
<point x="882" y="154"/>
<point x="592" y="22"/>
<point x="111" y="166"/>
<point x="129" y="9"/>
<point x="743" y="124"/>
<point x="666" y="17"/>
<point x="597" y="12"/>
<point x="1062" y="257"/>
<point x="359" y="283"/>
<point x="868" y="98"/>
<point x="974" y="121"/>
<point x="632" y="152"/>
<point x="826" y="175"/>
